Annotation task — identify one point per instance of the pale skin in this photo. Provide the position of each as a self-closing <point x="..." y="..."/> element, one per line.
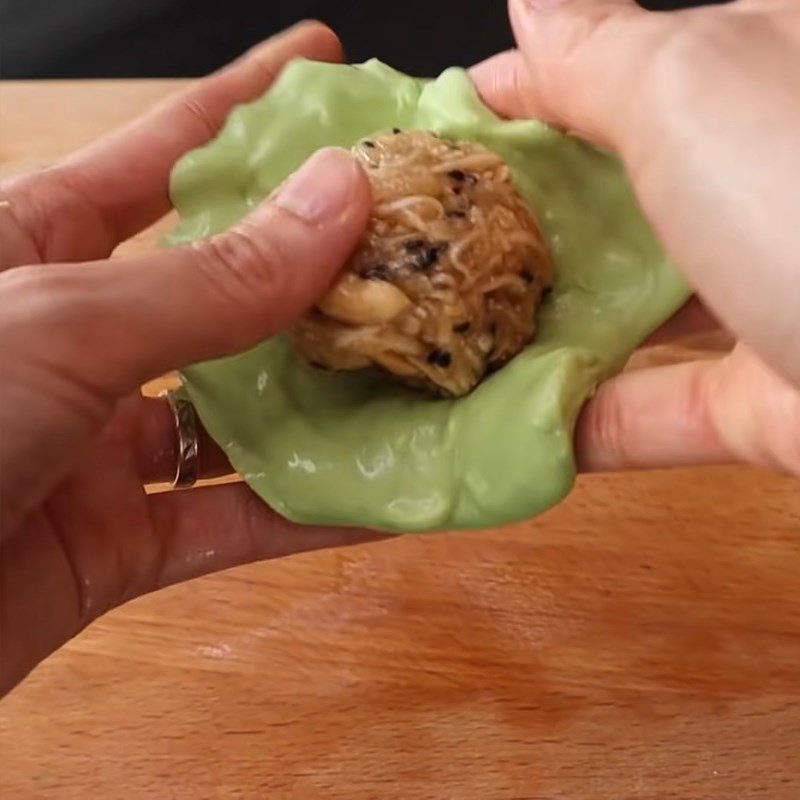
<point x="80" y="335"/>
<point x="717" y="178"/>
<point x="702" y="107"/>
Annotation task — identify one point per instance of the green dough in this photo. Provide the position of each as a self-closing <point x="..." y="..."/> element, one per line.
<point x="357" y="449"/>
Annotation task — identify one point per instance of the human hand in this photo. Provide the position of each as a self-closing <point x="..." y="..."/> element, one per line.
<point x="701" y="106"/>
<point x="81" y="332"/>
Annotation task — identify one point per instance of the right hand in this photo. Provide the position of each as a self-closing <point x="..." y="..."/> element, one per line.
<point x="702" y="107"/>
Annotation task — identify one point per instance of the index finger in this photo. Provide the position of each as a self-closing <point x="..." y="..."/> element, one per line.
<point x="84" y="206"/>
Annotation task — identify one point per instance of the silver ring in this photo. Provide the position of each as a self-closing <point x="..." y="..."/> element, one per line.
<point x="187" y="468"/>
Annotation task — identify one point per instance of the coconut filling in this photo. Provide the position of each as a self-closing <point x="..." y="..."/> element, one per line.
<point x="444" y="287"/>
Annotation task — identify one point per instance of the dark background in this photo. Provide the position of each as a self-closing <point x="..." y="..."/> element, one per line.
<point x="174" y="38"/>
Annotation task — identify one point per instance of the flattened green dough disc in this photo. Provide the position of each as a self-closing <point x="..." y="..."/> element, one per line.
<point x="356" y="449"/>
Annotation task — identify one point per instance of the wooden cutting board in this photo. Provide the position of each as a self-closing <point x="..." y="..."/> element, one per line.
<point x="640" y="641"/>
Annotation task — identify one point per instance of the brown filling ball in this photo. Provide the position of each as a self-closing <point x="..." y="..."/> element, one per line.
<point x="444" y="287"/>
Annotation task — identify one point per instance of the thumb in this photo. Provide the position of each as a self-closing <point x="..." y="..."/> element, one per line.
<point x="76" y="338"/>
<point x="120" y="324"/>
<point x="577" y="67"/>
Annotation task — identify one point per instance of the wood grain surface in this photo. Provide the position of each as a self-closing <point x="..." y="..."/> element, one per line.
<point x="642" y="640"/>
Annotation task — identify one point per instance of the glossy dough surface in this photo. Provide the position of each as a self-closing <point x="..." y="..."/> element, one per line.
<point x="356" y="448"/>
<point x="444" y="287"/>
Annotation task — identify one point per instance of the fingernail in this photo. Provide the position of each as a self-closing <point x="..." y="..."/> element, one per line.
<point x="321" y="189"/>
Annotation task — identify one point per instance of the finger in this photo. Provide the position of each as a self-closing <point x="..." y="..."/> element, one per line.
<point x="651" y="418"/>
<point x="80" y="339"/>
<point x="504" y="84"/>
<point x="18" y="246"/>
<point x="146" y="427"/>
<point x="193" y="303"/>
<point x="706" y="412"/>
<point x="578" y="64"/>
<point x="156" y="445"/>
<point x="214" y="528"/>
<point x="82" y="208"/>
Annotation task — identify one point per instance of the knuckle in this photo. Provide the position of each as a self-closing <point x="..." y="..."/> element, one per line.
<point x="197" y="111"/>
<point x="568" y="53"/>
<point x="28" y="295"/>
<point x="49" y="321"/>
<point x="38" y="298"/>
<point x="611" y="428"/>
<point x="603" y="432"/>
<point x="698" y="42"/>
<point x="703" y="44"/>
<point x="266" y="67"/>
<point x="21" y="225"/>
<point x="247" y="267"/>
<point x="52" y="204"/>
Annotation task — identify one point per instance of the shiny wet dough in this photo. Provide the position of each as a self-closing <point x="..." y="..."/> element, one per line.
<point x="356" y="449"/>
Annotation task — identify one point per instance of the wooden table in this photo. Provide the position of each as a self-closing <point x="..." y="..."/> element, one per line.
<point x="640" y="641"/>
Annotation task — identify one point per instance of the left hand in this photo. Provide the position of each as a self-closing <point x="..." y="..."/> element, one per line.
<point x="699" y="105"/>
<point x="80" y="334"/>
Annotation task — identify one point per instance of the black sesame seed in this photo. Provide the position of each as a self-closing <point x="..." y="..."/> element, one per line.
<point x="368" y="143"/>
<point x="425" y="260"/>
<point x="441" y="358"/>
<point x="431" y="257"/>
<point x="492" y="367"/>
<point x="422" y="255"/>
<point x="462" y="327"/>
<point x="526" y="276"/>
<point x="395" y="131"/>
<point x="461" y="176"/>
<point x="379" y="272"/>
